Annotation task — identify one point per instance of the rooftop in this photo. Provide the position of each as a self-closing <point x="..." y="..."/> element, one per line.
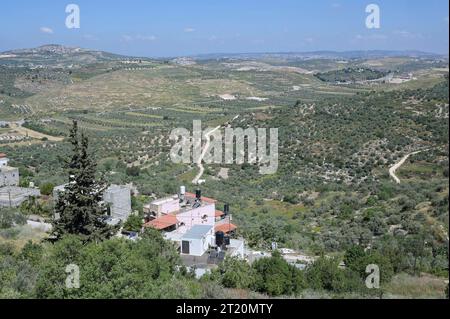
<point x="8" y="169"/>
<point x="219" y="213"/>
<point x="164" y="200"/>
<point x="225" y="228"/>
<point x="203" y="198"/>
<point x="115" y="188"/>
<point x="197" y="232"/>
<point x="162" y="222"/>
<point x="2" y="155"/>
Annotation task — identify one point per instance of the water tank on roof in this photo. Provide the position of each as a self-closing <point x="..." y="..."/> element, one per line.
<point x="226" y="209"/>
<point x="220" y="237"/>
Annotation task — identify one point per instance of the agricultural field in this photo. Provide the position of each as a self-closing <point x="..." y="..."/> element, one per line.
<point x="337" y="142"/>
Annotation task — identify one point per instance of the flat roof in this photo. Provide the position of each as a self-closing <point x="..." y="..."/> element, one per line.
<point x="8" y="169"/>
<point x="197" y="232"/>
<point x="164" y="200"/>
<point x="203" y="198"/>
<point x="114" y="188"/>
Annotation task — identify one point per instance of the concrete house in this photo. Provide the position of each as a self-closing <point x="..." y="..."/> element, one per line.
<point x="118" y="199"/>
<point x="164" y="206"/>
<point x="12" y="196"/>
<point x="197" y="240"/>
<point x="9" y="176"/>
<point x="3" y="160"/>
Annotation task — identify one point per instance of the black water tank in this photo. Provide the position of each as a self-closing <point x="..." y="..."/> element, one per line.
<point x="198" y="194"/>
<point x="226" y="209"/>
<point x="220" y="238"/>
<point x="227" y="241"/>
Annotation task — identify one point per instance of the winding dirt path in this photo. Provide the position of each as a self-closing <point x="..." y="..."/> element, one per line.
<point x="205" y="149"/>
<point x="396" y="166"/>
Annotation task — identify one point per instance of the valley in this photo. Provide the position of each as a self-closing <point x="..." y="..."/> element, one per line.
<point x="346" y="140"/>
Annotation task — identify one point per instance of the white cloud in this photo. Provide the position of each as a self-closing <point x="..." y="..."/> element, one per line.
<point x="370" y="37"/>
<point x="407" y="34"/>
<point x="139" y="37"/>
<point x="188" y="30"/>
<point x="46" y="30"/>
<point x="146" y="37"/>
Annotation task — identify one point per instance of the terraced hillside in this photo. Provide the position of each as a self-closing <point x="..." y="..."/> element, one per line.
<point x="337" y="144"/>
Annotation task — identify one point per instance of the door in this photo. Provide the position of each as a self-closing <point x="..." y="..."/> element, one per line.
<point x="185" y="247"/>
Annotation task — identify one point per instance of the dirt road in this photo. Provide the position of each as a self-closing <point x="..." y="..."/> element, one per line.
<point x="205" y="149"/>
<point x="396" y="166"/>
<point x="27" y="132"/>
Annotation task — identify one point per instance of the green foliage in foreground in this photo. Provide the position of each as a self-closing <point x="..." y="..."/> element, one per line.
<point x="79" y="206"/>
<point x="116" y="268"/>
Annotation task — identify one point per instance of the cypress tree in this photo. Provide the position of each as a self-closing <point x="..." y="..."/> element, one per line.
<point x="80" y="207"/>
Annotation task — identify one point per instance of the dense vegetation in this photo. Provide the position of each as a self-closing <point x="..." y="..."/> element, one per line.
<point x="350" y="75"/>
<point x="331" y="198"/>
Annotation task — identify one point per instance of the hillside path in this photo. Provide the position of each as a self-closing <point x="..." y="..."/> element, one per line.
<point x="396" y="166"/>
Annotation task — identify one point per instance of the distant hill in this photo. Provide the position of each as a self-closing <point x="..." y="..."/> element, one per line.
<point x="56" y="56"/>
<point x="322" y="55"/>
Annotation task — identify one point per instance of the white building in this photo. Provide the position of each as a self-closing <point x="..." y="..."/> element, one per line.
<point x="163" y="206"/>
<point x="118" y="199"/>
<point x="3" y="160"/>
<point x="203" y="215"/>
<point x="12" y="196"/>
<point x="9" y="176"/>
<point x="197" y="240"/>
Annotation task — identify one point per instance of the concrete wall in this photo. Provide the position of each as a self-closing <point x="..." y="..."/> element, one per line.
<point x="163" y="206"/>
<point x="12" y="196"/>
<point x="3" y="161"/>
<point x="195" y="216"/>
<point x="9" y="176"/>
<point x="199" y="246"/>
<point x="119" y="199"/>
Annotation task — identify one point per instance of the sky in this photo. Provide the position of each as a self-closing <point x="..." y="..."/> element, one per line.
<point x="167" y="28"/>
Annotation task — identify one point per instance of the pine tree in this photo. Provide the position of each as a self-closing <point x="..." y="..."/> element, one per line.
<point x="80" y="208"/>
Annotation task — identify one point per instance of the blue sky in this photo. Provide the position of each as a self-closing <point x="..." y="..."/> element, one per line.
<point x="183" y="27"/>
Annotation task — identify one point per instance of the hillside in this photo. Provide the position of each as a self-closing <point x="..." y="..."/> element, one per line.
<point x="55" y="56"/>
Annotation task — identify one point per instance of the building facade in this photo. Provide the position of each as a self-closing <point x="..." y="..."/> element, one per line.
<point x="9" y="176"/>
<point x="118" y="199"/>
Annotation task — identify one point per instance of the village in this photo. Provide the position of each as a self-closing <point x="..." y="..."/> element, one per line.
<point x="203" y="234"/>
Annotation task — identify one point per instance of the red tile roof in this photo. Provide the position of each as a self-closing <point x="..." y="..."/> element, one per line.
<point x="205" y="199"/>
<point x="225" y="228"/>
<point x="162" y="222"/>
<point x="219" y="213"/>
<point x="2" y="155"/>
